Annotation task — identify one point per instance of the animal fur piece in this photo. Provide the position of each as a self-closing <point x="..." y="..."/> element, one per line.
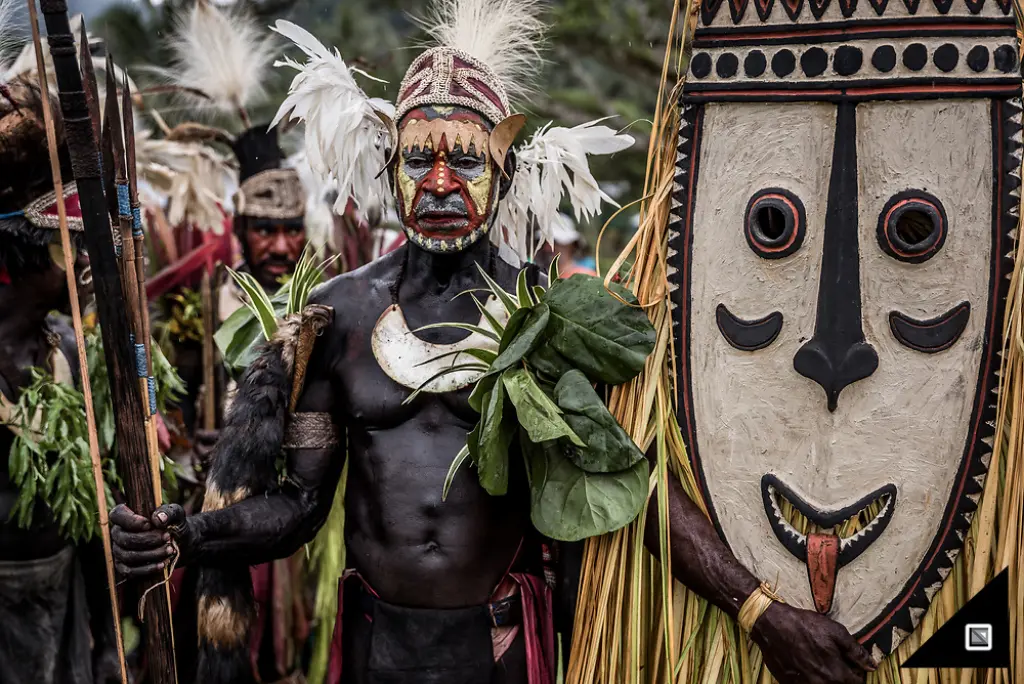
<point x="222" y="54"/>
<point x="506" y="35"/>
<point x="243" y="461"/>
<point x="244" y="464"/>
<point x="554" y="162"/>
<point x="346" y="140"/>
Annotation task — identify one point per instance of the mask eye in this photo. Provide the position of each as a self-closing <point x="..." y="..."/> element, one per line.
<point x="775" y="223"/>
<point x="912" y="227"/>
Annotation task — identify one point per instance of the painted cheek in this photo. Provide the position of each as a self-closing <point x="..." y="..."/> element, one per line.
<point x="406" y="186"/>
<point x="480" y="190"/>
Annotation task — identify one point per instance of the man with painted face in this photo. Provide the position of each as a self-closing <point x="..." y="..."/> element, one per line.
<point x="56" y="623"/>
<point x="454" y="589"/>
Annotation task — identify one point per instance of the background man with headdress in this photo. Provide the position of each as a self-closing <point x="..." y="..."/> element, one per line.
<point x="442" y="590"/>
<point x="56" y="625"/>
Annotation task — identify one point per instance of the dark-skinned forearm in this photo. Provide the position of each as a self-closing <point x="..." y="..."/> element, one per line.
<point x="254" y="531"/>
<point x="700" y="559"/>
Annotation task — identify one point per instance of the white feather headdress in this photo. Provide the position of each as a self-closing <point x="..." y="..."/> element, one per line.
<point x="220" y="59"/>
<point x="191" y="176"/>
<point x="551" y="165"/>
<point x="9" y="36"/>
<point x="506" y="35"/>
<point x="319" y="218"/>
<point x="346" y="138"/>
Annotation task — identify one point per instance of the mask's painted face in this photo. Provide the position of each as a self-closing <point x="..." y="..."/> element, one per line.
<point x="446" y="181"/>
<point x="841" y="292"/>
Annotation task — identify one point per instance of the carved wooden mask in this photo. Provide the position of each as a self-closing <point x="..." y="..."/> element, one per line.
<point x="848" y="182"/>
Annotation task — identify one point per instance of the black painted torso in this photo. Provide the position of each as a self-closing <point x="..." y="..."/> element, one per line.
<point x="413" y="548"/>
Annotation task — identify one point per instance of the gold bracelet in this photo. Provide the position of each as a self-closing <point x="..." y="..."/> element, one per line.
<point x="755" y="606"/>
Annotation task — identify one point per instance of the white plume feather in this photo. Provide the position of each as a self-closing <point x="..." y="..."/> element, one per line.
<point x="222" y="54"/>
<point x="506" y="35"/>
<point x="193" y="177"/>
<point x="9" y="36"/>
<point x="319" y="218"/>
<point x="24" y="65"/>
<point x="552" y="164"/>
<point x="345" y="140"/>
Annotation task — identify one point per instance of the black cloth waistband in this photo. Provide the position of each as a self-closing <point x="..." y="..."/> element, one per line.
<point x="505" y="613"/>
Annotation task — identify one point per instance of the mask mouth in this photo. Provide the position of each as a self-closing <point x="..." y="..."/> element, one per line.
<point x="825" y="539"/>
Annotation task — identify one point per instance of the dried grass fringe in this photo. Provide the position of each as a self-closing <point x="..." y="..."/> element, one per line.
<point x="634" y="624"/>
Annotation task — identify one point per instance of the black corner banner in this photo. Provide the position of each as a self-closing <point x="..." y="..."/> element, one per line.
<point x="978" y="635"/>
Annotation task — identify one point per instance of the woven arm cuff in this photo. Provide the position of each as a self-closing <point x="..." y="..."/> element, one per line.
<point x="310" y="431"/>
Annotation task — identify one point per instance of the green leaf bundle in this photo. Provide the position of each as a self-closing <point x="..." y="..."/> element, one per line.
<point x="243" y="331"/>
<point x="49" y="461"/>
<point x="537" y="396"/>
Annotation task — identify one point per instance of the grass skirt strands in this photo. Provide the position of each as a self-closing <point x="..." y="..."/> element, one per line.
<point x="635" y="624"/>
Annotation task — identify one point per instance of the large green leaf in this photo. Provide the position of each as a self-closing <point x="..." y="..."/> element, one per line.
<point x="570" y="504"/>
<point x="497" y="428"/>
<point x="478" y="397"/>
<point x="548" y="362"/>
<point x="609" y="449"/>
<point x="606" y="339"/>
<point x="529" y="336"/>
<point x="240" y="335"/>
<point x="537" y="413"/>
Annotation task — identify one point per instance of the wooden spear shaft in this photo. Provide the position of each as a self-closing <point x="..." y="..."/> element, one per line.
<point x="76" y="319"/>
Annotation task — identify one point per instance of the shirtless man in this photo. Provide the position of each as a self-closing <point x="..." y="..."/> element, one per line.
<point x="442" y="590"/>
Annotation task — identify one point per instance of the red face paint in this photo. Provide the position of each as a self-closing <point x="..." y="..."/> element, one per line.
<point x="445" y="178"/>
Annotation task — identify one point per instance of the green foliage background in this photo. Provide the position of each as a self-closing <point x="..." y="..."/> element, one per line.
<point x="604" y="58"/>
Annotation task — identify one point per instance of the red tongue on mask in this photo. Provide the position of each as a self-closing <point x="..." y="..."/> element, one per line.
<point x="822" y="567"/>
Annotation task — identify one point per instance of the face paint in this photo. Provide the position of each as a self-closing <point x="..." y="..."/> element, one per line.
<point x="445" y="178"/>
<point x="839" y="241"/>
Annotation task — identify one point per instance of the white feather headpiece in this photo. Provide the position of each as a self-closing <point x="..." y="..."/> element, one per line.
<point x="223" y="55"/>
<point x="319" y="218"/>
<point x="506" y="35"/>
<point x="9" y="37"/>
<point x="346" y="138"/>
<point x="554" y="163"/>
<point x="192" y="176"/>
<point x="487" y="54"/>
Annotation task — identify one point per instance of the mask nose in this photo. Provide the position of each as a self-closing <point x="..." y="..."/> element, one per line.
<point x="838" y="356"/>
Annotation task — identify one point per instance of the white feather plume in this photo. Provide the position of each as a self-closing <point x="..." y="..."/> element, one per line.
<point x="24" y="65"/>
<point x="552" y="164"/>
<point x="506" y="35"/>
<point x="319" y="218"/>
<point x="10" y="37"/>
<point x="220" y="53"/>
<point x="345" y="140"/>
<point x="192" y="177"/>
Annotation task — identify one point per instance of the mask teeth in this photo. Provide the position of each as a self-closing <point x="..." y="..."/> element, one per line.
<point x="887" y="502"/>
<point x="792" y="531"/>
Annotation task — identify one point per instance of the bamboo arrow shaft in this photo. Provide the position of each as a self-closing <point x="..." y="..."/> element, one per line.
<point x="76" y="319"/>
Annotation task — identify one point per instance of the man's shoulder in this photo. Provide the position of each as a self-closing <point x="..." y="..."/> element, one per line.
<point x="367" y="281"/>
